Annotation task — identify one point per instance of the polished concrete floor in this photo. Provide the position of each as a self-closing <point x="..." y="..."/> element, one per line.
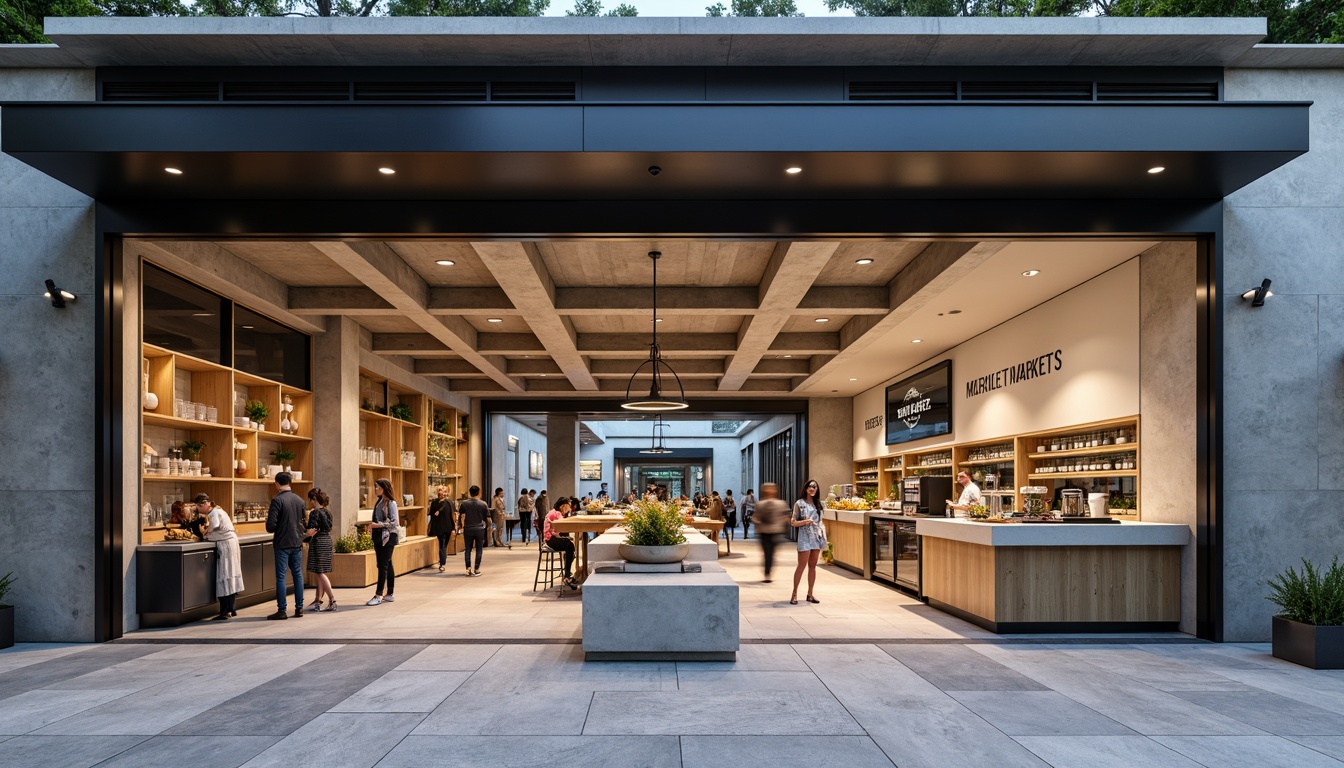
<point x="499" y="605"/>
<point x="482" y="672"/>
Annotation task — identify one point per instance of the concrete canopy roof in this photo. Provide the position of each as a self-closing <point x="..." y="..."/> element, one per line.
<point x="645" y="41"/>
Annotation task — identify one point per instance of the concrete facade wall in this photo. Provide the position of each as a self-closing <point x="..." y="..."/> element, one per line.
<point x="1283" y="364"/>
<point x="47" y="382"/>
<point x="830" y="447"/>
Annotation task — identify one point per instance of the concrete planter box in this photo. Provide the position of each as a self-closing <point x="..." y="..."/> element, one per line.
<point x="1308" y="645"/>
<point x="360" y="569"/>
<point x="7" y="627"/>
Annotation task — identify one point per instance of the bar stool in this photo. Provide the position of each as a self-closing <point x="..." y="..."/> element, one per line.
<point x="546" y="571"/>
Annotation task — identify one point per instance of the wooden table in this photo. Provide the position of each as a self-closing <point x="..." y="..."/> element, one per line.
<point x="584" y="525"/>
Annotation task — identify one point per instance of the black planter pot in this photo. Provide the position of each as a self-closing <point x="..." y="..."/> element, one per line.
<point x="1308" y="645"/>
<point x="6" y="626"/>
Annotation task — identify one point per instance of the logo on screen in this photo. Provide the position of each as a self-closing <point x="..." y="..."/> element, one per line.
<point x="915" y="404"/>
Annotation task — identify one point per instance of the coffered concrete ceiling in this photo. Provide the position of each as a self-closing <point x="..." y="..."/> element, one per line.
<point x="574" y="318"/>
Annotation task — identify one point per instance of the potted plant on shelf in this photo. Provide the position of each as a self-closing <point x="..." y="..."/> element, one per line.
<point x="654" y="533"/>
<point x="401" y="411"/>
<point x="192" y="449"/>
<point x="6" y="613"/>
<point x="1309" y="629"/>
<point x="257" y="412"/>
<point x="283" y="456"/>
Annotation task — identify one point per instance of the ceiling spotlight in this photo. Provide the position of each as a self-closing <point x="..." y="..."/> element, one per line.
<point x="494" y="319"/>
<point x="851" y="378"/>
<point x="793" y="169"/>
<point x="248" y="327"/>
<point x="916" y="341"/>
<point x="202" y="314"/>
<point x="174" y="171"/>
<point x="1157" y="169"/>
<point x="387" y="171"/>
<point x="823" y="320"/>
<point x="445" y="262"/>
<point x="58" y="296"/>
<point x="1031" y="273"/>
<point x="863" y="261"/>
<point x="1256" y="296"/>
<point x="788" y="356"/>
<point x="658" y="320"/>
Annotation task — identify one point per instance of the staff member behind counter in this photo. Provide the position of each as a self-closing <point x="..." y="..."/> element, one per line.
<point x="970" y="494"/>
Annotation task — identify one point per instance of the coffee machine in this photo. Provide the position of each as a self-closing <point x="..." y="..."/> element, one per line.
<point x="925" y="496"/>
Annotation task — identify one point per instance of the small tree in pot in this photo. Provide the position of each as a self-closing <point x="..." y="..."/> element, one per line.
<point x="6" y="613"/>
<point x="654" y="533"/>
<point x="1309" y="630"/>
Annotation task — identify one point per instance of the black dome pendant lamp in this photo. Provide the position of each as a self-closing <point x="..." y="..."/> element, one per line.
<point x="656" y="400"/>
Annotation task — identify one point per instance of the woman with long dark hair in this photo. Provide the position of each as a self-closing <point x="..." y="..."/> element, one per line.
<point x="811" y="537"/>
<point x="384" y="530"/>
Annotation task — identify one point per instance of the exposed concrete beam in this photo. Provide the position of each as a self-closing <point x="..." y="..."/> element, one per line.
<point x="675" y="300"/>
<point x="379" y="267"/>
<point x="929" y="275"/>
<point x="215" y="268"/>
<point x="806" y="343"/>
<point x="846" y="300"/>
<point x="523" y="276"/>
<point x="624" y="344"/>
<point x="703" y="386"/>
<point x="792" y="269"/>
<point x="686" y="369"/>
<point x="534" y="367"/>
<point x="476" y="300"/>
<point x="783" y="368"/>
<point x="510" y="343"/>
<point x="459" y="369"/>
<point x="339" y="300"/>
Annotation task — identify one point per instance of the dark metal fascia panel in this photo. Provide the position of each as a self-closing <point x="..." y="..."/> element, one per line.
<point x="675" y="455"/>
<point x="846" y="127"/>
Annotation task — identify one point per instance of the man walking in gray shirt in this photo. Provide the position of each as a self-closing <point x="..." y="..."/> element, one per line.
<point x="285" y="519"/>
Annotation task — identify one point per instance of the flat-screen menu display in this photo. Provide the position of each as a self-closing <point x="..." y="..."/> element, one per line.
<point x="920" y="406"/>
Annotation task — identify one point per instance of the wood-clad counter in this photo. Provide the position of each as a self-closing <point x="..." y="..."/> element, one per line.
<point x="847" y="533"/>
<point x="1055" y="577"/>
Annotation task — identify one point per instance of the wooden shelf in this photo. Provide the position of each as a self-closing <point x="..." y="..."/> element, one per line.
<point x="1077" y="475"/>
<point x="1099" y="450"/>
<point x="173" y="422"/>
<point x="371" y="416"/>
<point x="948" y="465"/>
<point x="377" y="466"/>
<point x="987" y="462"/>
<point x="180" y="478"/>
<point x="252" y="380"/>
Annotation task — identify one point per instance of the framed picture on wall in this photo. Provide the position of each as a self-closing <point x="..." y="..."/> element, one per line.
<point x="590" y="469"/>
<point x="536" y="465"/>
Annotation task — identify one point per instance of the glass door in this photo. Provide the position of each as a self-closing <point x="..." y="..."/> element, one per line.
<point x="884" y="548"/>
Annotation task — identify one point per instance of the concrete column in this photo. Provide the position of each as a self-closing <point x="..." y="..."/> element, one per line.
<point x="336" y="418"/>
<point x="830" y="447"/>
<point x="562" y="454"/>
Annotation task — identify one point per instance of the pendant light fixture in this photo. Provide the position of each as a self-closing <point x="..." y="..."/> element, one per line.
<point x="656" y="444"/>
<point x="656" y="400"/>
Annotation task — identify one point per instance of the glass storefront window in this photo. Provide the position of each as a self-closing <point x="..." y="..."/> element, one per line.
<point x="263" y="347"/>
<point x="183" y="317"/>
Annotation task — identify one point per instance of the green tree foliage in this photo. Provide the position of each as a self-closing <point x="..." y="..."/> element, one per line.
<point x="755" y="8"/>
<point x="594" y="8"/>
<point x="1290" y="21"/>
<point x="237" y="8"/>
<point x="21" y="20"/>
<point x="467" y="7"/>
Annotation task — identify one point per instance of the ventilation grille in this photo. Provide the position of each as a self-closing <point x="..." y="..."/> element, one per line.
<point x="160" y="91"/>
<point x="532" y="91"/>
<point x="1019" y="91"/>
<point x="902" y="91"/>
<point x="277" y="91"/>
<point x="429" y="91"/>
<point x="1157" y="91"/>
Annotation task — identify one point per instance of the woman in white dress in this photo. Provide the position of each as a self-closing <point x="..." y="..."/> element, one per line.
<point x="229" y="564"/>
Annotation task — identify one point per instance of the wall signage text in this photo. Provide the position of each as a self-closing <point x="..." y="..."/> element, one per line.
<point x="1033" y="368"/>
<point x="873" y="423"/>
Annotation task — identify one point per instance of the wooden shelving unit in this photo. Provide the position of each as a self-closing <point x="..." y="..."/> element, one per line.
<point x="176" y="379"/>
<point x="1036" y="458"/>
<point x="867" y="477"/>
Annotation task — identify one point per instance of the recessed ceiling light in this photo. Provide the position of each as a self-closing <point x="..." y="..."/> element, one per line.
<point x="916" y="341"/>
<point x="823" y="320"/>
<point x="445" y="262"/>
<point x="863" y="261"/>
<point x="248" y="327"/>
<point x="202" y="314"/>
<point x="494" y="319"/>
<point x="1031" y="273"/>
<point x="788" y="356"/>
<point x="1157" y="169"/>
<point x="659" y="320"/>
<point x="174" y="171"/>
<point x="793" y="169"/>
<point x="851" y="378"/>
<point x="543" y="375"/>
<point x="387" y="171"/>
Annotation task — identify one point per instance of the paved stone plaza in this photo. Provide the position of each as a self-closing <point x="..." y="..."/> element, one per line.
<point x="813" y="685"/>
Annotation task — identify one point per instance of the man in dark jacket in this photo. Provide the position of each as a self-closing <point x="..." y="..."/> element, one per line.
<point x="285" y="519"/>
<point x="473" y="521"/>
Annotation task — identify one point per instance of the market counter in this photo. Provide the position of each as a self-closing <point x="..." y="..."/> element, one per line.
<point x="175" y="580"/>
<point x="1055" y="577"/>
<point x="847" y="533"/>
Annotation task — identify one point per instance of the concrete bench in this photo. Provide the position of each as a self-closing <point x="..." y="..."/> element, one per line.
<point x="661" y="616"/>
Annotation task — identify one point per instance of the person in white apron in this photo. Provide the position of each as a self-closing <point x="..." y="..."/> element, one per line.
<point x="229" y="563"/>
